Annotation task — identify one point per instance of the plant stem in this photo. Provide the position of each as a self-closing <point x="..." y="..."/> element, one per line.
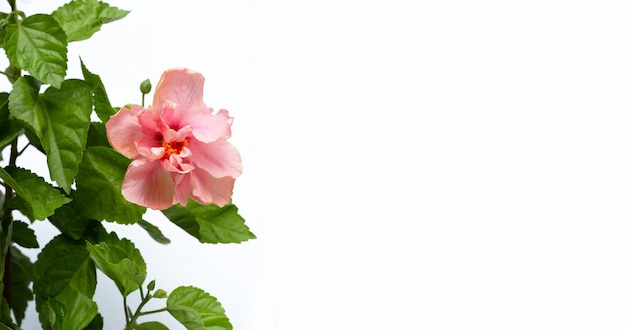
<point x="164" y="309"/>
<point x="133" y="320"/>
<point x="6" y="225"/>
<point x="126" y="311"/>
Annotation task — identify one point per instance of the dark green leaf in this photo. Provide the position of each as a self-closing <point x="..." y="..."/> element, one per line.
<point x="99" y="187"/>
<point x="64" y="282"/>
<point x="21" y="276"/>
<point x="24" y="235"/>
<point x="151" y="326"/>
<point x="5" y="327"/>
<point x="9" y="127"/>
<point x="97" y="135"/>
<point x="69" y="222"/>
<point x="38" y="45"/>
<point x="9" y="130"/>
<point x="120" y="261"/>
<point x="5" y="315"/>
<point x="154" y="232"/>
<point x="60" y="118"/>
<point x="64" y="263"/>
<point x="96" y="324"/>
<point x="210" y="223"/>
<point x="101" y="102"/>
<point x="33" y="139"/>
<point x="82" y="18"/>
<point x="196" y="309"/>
<point x="41" y="199"/>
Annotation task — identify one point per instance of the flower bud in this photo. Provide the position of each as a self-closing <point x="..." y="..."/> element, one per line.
<point x="160" y="293"/>
<point x="145" y="86"/>
<point x="151" y="285"/>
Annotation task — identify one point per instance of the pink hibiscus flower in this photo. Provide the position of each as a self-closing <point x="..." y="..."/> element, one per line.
<point x="178" y="146"/>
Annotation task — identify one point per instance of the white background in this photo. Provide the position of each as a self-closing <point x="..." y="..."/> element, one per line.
<point x="407" y="165"/>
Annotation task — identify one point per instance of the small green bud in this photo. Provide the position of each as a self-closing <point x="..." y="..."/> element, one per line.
<point x="145" y="86"/>
<point x="160" y="293"/>
<point x="151" y="285"/>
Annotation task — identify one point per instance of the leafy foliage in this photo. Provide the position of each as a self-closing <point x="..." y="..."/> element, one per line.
<point x="38" y="45"/>
<point x="59" y="118"/>
<point x="64" y="119"/>
<point x="99" y="183"/>
<point x="210" y="223"/>
<point x="196" y="309"/>
<point x="81" y="19"/>
<point x="121" y="261"/>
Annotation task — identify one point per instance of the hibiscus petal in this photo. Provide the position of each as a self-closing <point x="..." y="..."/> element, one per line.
<point x="219" y="158"/>
<point x="124" y="130"/>
<point x="207" y="189"/>
<point x="179" y="92"/>
<point x="183" y="188"/>
<point x="147" y="184"/>
<point x="209" y="128"/>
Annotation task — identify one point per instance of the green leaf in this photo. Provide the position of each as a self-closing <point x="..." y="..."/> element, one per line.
<point x="59" y="118"/>
<point x="64" y="263"/>
<point x="96" y="324"/>
<point x="101" y="102"/>
<point x="196" y="309"/>
<point x="97" y="135"/>
<point x="82" y="18"/>
<point x="120" y="261"/>
<point x="9" y="127"/>
<point x="38" y="45"/>
<point x="69" y="222"/>
<point x="21" y="276"/>
<point x="99" y="187"/>
<point x="23" y="235"/>
<point x="151" y="326"/>
<point x="154" y="232"/>
<point x="210" y="223"/>
<point x="5" y="327"/>
<point x="69" y="310"/>
<point x="39" y="197"/>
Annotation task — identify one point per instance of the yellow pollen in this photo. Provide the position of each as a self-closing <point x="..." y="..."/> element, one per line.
<point x="173" y="147"/>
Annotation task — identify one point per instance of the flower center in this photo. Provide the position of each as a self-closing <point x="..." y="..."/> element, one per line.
<point x="173" y="147"/>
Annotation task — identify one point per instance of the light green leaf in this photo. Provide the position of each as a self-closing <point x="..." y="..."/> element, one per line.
<point x="101" y="102"/>
<point x="59" y="118"/>
<point x="63" y="263"/>
<point x="210" y="223"/>
<point x="69" y="310"/>
<point x="21" y="276"/>
<point x="80" y="19"/>
<point x="23" y="235"/>
<point x="154" y="232"/>
<point x="120" y="261"/>
<point x="39" y="197"/>
<point x="151" y="326"/>
<point x="196" y="309"/>
<point x="99" y="187"/>
<point x="38" y="45"/>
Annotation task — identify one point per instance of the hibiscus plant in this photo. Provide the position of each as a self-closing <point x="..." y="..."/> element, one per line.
<point x="104" y="163"/>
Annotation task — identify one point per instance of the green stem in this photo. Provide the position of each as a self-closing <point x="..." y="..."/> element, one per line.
<point x="126" y="311"/>
<point x="164" y="309"/>
<point x="6" y="225"/>
<point x="130" y="324"/>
